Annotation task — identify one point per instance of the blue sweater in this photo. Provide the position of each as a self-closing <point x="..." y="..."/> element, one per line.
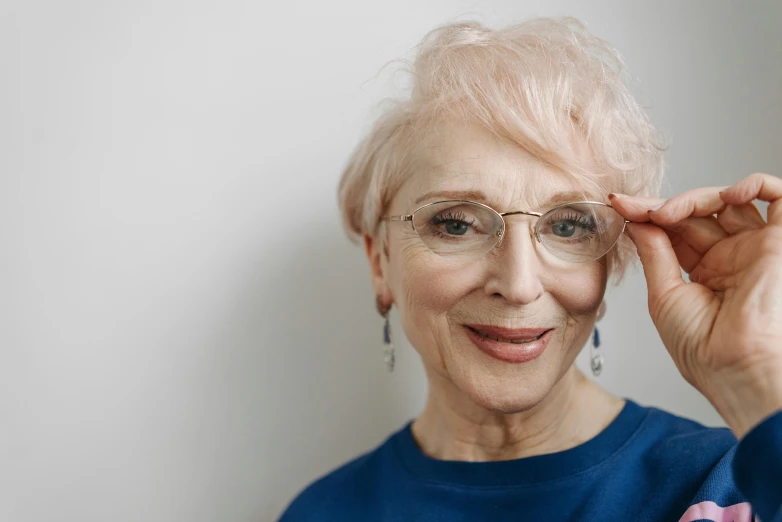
<point x="647" y="465"/>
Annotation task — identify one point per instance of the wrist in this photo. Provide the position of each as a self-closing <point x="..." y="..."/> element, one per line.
<point x="744" y="399"/>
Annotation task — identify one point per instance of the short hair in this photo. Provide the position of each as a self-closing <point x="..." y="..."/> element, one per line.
<point x="534" y="83"/>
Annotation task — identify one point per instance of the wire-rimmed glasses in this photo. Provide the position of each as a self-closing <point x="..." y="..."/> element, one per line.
<point x="577" y="232"/>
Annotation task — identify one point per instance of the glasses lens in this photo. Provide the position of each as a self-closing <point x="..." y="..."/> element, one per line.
<point x="457" y="228"/>
<point x="580" y="232"/>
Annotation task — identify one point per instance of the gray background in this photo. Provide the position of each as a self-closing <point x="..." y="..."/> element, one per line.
<point x="186" y="334"/>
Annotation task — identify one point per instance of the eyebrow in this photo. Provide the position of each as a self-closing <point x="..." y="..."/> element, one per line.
<point x="478" y="196"/>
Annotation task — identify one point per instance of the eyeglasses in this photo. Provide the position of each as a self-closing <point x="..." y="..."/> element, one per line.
<point x="576" y="232"/>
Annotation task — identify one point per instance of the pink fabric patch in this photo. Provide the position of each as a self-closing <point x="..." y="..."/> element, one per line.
<point x="711" y="511"/>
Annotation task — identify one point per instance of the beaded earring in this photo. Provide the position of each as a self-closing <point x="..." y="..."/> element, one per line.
<point x="388" y="346"/>
<point x="596" y="357"/>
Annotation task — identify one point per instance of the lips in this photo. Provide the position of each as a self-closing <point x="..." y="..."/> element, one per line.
<point x="510" y="345"/>
<point x="508" y="335"/>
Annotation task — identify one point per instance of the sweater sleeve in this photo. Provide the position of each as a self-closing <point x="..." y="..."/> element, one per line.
<point x="757" y="468"/>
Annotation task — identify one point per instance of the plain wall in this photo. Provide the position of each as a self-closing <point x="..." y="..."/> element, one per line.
<point x="186" y="334"/>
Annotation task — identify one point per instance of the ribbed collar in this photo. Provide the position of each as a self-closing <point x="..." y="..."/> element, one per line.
<point x="525" y="471"/>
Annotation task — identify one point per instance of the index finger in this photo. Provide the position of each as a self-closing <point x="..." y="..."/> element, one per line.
<point x="713" y="200"/>
<point x="764" y="187"/>
<point x="698" y="202"/>
<point x="634" y="208"/>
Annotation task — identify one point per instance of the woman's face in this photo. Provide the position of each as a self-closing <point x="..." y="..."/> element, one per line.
<point x="516" y="285"/>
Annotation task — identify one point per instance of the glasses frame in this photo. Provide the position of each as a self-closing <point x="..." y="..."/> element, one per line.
<point x="501" y="232"/>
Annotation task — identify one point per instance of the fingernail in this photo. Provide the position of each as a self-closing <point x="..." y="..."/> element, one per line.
<point x="612" y="196"/>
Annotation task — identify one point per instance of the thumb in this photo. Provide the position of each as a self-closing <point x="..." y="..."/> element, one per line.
<point x="661" y="266"/>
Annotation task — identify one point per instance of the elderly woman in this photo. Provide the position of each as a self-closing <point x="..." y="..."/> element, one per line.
<point x="494" y="203"/>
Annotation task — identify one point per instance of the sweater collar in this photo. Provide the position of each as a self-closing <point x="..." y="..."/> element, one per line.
<point x="524" y="471"/>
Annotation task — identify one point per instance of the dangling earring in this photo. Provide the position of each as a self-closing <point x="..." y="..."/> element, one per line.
<point x="596" y="357"/>
<point x="388" y="347"/>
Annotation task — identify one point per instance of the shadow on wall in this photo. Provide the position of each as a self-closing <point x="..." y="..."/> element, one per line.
<point x="303" y="386"/>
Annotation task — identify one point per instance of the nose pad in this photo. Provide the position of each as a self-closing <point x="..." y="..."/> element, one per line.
<point x="532" y="235"/>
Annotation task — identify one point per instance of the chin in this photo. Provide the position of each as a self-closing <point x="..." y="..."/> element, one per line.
<point x="506" y="395"/>
<point x="499" y="386"/>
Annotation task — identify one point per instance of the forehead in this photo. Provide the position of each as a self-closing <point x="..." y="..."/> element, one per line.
<point x="466" y="160"/>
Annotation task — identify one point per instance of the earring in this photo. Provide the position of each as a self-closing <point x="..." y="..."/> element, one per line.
<point x="595" y="356"/>
<point x="388" y="346"/>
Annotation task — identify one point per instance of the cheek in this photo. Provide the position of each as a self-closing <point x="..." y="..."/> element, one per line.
<point x="580" y="290"/>
<point x="426" y="288"/>
<point x="431" y="285"/>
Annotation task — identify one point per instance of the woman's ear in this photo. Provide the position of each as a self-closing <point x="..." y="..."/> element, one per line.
<point x="373" y="249"/>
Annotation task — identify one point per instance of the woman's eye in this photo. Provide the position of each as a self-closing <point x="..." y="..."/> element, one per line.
<point x="563" y="229"/>
<point x="456" y="228"/>
<point x="453" y="223"/>
<point x="576" y="227"/>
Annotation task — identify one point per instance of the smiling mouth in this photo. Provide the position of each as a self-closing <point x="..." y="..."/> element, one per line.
<point x="511" y="341"/>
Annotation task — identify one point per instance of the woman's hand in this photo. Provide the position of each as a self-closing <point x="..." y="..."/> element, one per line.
<point x="724" y="328"/>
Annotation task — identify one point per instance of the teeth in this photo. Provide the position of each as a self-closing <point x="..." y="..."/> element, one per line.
<point x="513" y="341"/>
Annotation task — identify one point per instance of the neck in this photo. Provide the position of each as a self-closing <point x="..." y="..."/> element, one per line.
<point x="452" y="427"/>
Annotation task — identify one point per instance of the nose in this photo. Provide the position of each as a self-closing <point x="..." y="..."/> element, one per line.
<point x="514" y="272"/>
